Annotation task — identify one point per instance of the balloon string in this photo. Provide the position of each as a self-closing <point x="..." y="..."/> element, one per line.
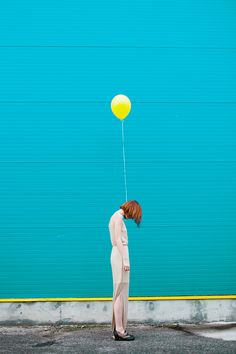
<point x="123" y="142"/>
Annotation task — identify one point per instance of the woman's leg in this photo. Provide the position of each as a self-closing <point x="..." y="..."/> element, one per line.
<point x="120" y="308"/>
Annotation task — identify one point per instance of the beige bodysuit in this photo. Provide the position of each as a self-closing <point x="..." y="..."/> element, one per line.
<point x="119" y="258"/>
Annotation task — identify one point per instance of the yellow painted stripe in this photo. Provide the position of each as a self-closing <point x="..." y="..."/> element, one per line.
<point x="132" y="298"/>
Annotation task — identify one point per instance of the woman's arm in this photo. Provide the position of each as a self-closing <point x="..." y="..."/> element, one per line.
<point x="123" y="249"/>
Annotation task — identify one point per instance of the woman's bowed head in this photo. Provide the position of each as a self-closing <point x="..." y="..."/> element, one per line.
<point x="132" y="210"/>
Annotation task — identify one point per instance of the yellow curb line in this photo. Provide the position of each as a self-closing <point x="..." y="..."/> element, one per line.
<point x="132" y="298"/>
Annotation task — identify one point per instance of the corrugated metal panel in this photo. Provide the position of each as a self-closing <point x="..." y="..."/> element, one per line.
<point x="61" y="167"/>
<point x="208" y="23"/>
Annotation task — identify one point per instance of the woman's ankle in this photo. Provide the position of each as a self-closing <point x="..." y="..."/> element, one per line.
<point x="121" y="332"/>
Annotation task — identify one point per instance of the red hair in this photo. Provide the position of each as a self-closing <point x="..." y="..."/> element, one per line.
<point x="132" y="210"/>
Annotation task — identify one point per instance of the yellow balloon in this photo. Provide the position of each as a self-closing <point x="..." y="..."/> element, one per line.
<point x="120" y="106"/>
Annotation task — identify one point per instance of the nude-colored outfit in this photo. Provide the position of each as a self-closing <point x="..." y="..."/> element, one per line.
<point x="120" y="277"/>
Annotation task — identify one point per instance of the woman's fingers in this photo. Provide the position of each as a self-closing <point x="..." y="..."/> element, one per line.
<point x="126" y="268"/>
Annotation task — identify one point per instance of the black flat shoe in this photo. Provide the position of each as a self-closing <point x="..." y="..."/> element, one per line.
<point x="125" y="336"/>
<point x="114" y="334"/>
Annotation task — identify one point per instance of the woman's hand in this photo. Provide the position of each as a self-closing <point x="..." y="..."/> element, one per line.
<point x="126" y="268"/>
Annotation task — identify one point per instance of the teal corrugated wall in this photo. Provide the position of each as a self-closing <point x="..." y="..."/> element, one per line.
<point x="61" y="164"/>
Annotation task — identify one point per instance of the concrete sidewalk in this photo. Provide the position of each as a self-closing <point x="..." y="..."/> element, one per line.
<point x="149" y="338"/>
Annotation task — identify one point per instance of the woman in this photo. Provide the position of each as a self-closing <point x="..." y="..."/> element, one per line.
<point x="121" y="266"/>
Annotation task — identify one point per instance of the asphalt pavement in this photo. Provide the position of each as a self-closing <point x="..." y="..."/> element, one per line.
<point x="94" y="338"/>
